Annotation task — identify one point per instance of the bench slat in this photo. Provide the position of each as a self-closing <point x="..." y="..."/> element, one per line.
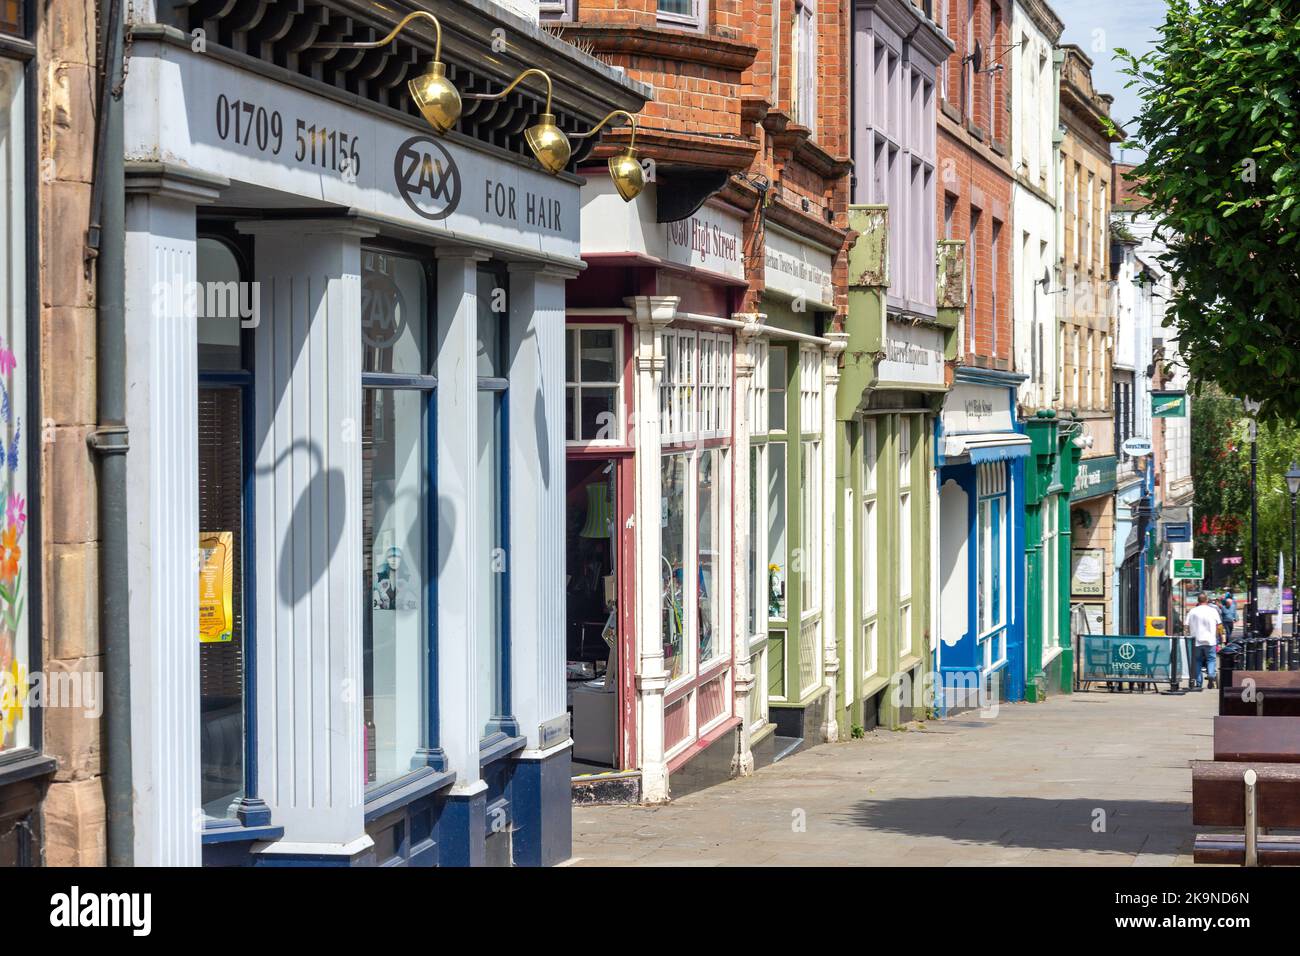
<point x="1219" y="794"/>
<point x="1257" y="739"/>
<point x="1278" y="702"/>
<point x="1266" y="679"/>
<point x="1231" y="848"/>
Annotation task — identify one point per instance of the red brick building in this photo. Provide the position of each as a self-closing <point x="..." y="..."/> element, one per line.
<point x="975" y="176"/>
<point x="709" y="306"/>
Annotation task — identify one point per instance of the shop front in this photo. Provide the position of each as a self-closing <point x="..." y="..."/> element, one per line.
<point x="890" y="392"/>
<point x="1092" y="517"/>
<point x="653" y="515"/>
<point x="981" y="458"/>
<point x="346" y="407"/>
<point x="1049" y="476"/>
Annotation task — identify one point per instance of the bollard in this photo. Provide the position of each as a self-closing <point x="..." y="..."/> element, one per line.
<point x="1252" y="833"/>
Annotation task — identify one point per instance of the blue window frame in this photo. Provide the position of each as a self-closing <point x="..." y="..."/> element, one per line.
<point x="398" y="441"/>
<point x="492" y="520"/>
<point x="227" y="664"/>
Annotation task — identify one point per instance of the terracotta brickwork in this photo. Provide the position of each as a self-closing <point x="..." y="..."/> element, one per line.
<point x="724" y="101"/>
<point x="975" y="176"/>
<point x="74" y="806"/>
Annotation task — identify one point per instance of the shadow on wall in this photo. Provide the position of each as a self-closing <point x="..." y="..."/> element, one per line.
<point x="1105" y="826"/>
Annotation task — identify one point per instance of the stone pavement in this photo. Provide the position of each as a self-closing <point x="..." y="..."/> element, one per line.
<point x="1089" y="779"/>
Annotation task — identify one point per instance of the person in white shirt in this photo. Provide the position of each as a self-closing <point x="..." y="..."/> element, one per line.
<point x="1204" y="624"/>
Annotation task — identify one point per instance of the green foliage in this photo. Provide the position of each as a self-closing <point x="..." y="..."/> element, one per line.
<point x="1221" y="476"/>
<point x="1220" y="92"/>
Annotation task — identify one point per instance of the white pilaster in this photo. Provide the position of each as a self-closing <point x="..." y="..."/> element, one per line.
<point x="747" y="340"/>
<point x="460" y="729"/>
<point x="830" y="511"/>
<point x="536" y="403"/>
<point x="308" y="557"/>
<point x="163" y="515"/>
<point x="650" y="313"/>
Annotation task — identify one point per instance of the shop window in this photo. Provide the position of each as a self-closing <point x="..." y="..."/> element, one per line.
<point x="991" y="482"/>
<point x="906" y="530"/>
<point x="777" y="520"/>
<point x="18" y="732"/>
<point x="494" y="628"/>
<point x="224" y="401"/>
<point x="810" y="524"/>
<point x="593" y="361"/>
<point x="711" y="490"/>
<point x="1050" y="564"/>
<point x="777" y="377"/>
<point x="396" y="512"/>
<point x="672" y="545"/>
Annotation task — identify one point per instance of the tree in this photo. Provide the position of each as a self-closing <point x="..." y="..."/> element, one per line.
<point x="1222" y="170"/>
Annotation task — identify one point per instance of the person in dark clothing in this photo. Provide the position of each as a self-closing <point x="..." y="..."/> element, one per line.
<point x="1228" y="612"/>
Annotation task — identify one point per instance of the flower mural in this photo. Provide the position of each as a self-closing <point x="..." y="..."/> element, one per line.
<point x="13" y="678"/>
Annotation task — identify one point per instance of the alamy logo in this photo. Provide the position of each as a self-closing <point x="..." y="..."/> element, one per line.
<point x="427" y="177"/>
<point x="74" y="908"/>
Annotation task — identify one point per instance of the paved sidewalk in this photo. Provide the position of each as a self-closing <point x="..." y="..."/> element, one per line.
<point x="1091" y="779"/>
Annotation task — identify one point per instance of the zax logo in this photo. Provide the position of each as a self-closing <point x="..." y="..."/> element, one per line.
<point x="427" y="177"/>
<point x="75" y="909"/>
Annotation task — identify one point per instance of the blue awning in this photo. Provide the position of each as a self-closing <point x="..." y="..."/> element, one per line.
<point x="986" y="446"/>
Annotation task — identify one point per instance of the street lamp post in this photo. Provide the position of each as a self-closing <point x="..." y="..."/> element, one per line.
<point x="1293" y="486"/>
<point x="1252" y="638"/>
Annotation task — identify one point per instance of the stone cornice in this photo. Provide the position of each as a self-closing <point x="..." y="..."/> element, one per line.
<point x="1043" y="17"/>
<point x="684" y="46"/>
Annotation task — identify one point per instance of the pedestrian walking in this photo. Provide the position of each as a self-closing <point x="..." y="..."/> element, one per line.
<point x="1228" y="611"/>
<point x="1204" y="623"/>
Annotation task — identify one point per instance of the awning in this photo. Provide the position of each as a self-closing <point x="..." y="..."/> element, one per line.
<point x="982" y="447"/>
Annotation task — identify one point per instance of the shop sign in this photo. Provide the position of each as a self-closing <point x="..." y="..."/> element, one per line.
<point x="1088" y="572"/>
<point x="913" y="355"/>
<point x="1168" y="404"/>
<point x="797" y="269"/>
<point x="1136" y="447"/>
<point x="710" y="239"/>
<point x="1189" y="569"/>
<point x="1096" y="476"/>
<point x="977" y="408"/>
<point x="213" y="117"/>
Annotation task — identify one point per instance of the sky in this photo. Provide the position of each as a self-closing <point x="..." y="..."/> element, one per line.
<point x="1098" y="26"/>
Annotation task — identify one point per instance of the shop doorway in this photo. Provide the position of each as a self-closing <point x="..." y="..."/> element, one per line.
<point x="595" y="611"/>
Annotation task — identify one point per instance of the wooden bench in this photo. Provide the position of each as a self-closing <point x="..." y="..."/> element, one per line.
<point x="1257" y="797"/>
<point x="1260" y="702"/>
<point x="1268" y="680"/>
<point x="1257" y="739"/>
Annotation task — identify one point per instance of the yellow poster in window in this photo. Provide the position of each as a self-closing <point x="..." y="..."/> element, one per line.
<point x="216" y="587"/>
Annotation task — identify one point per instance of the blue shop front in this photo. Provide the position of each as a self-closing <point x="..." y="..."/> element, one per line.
<point x="347" y="418"/>
<point x="980" y="452"/>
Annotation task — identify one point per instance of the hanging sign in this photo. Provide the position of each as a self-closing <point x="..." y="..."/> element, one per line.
<point x="1136" y="447"/>
<point x="216" y="587"/>
<point x="1189" y="569"/>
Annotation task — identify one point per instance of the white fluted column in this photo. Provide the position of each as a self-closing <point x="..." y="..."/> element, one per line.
<point x="650" y="313"/>
<point x="308" y="548"/>
<point x="830" y="521"/>
<point x="537" y="502"/>
<point x="743" y="677"/>
<point x="163" y="514"/>
<point x="460" y="729"/>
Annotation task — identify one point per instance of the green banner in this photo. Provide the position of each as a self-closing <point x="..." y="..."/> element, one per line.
<point x="1189" y="569"/>
<point x="1096" y="476"/>
<point x="1168" y="404"/>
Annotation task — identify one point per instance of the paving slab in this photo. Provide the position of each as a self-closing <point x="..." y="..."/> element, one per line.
<point x="1088" y="779"/>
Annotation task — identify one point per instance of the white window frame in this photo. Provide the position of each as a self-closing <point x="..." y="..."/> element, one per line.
<point x="992" y="485"/>
<point x="697" y="19"/>
<point x="906" y="448"/>
<point x="803" y="64"/>
<point x="1050" y="564"/>
<point x="575" y="408"/>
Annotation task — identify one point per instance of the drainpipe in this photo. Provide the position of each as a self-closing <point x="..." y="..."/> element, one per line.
<point x="105" y="243"/>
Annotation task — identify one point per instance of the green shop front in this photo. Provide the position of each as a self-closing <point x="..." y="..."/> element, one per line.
<point x="1048" y="478"/>
<point x="891" y="389"/>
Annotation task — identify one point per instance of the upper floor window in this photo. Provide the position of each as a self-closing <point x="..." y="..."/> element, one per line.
<point x="803" y="64"/>
<point x="684" y="12"/>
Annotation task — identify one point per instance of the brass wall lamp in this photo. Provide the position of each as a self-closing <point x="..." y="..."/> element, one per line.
<point x="624" y="167"/>
<point x="434" y="94"/>
<point x="546" y="139"/>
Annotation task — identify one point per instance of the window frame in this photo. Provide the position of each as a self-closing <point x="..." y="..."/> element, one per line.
<point x="573" y="332"/>
<point x="697" y="19"/>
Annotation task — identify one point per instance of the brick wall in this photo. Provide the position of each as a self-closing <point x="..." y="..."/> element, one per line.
<point x="74" y="806"/>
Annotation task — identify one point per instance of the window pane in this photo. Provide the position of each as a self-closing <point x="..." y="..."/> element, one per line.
<point x="776" y="523"/>
<point x="681" y="8"/>
<point x="996" y="564"/>
<point x="709" y="541"/>
<point x="394" y="314"/>
<point x="598" y="358"/>
<point x="981" y="616"/>
<point x="221" y="647"/>
<point x="672" y="567"/>
<point x="222" y="302"/>
<point x="394" y="475"/>
<point x="599" y="410"/>
<point x="776" y="381"/>
<point x="492" y="559"/>
<point x="491" y="324"/>
<point x="751" y="567"/>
